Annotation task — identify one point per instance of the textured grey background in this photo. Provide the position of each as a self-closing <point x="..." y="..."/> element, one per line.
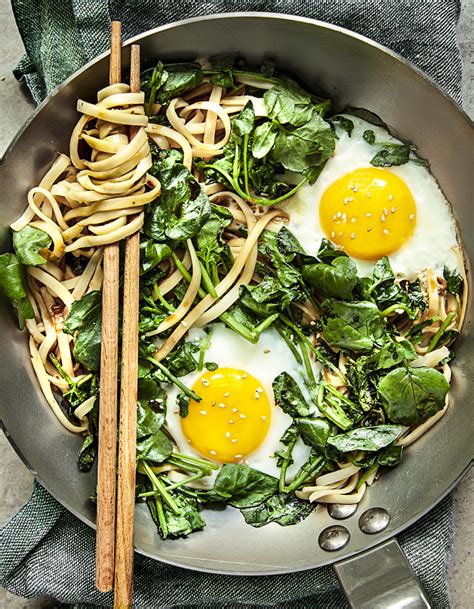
<point x="16" y="481"/>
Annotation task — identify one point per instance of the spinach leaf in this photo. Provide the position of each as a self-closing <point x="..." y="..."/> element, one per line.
<point x="391" y="155"/>
<point x="13" y="282"/>
<point x="366" y="438"/>
<point x="150" y="393"/>
<point x="243" y="486"/>
<point x="369" y="136"/>
<point x="390" y="456"/>
<point x="85" y="317"/>
<point x="287" y="102"/>
<point x="181" y="360"/>
<point x="187" y="521"/>
<point x="335" y="280"/>
<point x="193" y="214"/>
<point x="366" y="115"/>
<point x="411" y="395"/>
<point x="263" y="139"/>
<point x="29" y="244"/>
<point x="283" y="455"/>
<point x="284" y="509"/>
<point x="315" y="432"/>
<point x="152" y="443"/>
<point x="453" y="280"/>
<point x="328" y="252"/>
<point x="345" y="124"/>
<point x="355" y="326"/>
<point x="152" y="253"/>
<point x="211" y="247"/>
<point x="164" y="83"/>
<point x="288" y="396"/>
<point x="243" y="123"/>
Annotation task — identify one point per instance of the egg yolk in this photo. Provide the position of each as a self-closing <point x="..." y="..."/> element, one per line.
<point x="233" y="417"/>
<point x="369" y="213"/>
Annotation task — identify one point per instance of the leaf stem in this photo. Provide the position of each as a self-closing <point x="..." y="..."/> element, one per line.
<point x="159" y="486"/>
<point x="189" y="392"/>
<point x="441" y="330"/>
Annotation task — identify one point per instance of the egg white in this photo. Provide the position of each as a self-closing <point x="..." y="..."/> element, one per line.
<point x="264" y="360"/>
<point x="431" y="245"/>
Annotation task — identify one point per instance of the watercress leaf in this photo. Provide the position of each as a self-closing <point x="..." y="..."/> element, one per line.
<point x="284" y="509"/>
<point x="453" y="280"/>
<point x="13" y="282"/>
<point x="369" y="136"/>
<point x="335" y="280"/>
<point x="182" y="401"/>
<point x="355" y="326"/>
<point x="411" y="395"/>
<point x="287" y="102"/>
<point x="152" y="253"/>
<point x="393" y="353"/>
<point x="366" y="438"/>
<point x="187" y="521"/>
<point x="263" y="139"/>
<point x="31" y="245"/>
<point x="288" y="396"/>
<point x="391" y="155"/>
<point x="180" y="77"/>
<point x="243" y="486"/>
<point x="315" y="432"/>
<point x="224" y="78"/>
<point x="244" y="121"/>
<point x="85" y="317"/>
<point x="181" y="360"/>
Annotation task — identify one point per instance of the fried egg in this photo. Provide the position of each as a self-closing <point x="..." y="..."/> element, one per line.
<point x="371" y="212"/>
<point x="237" y="420"/>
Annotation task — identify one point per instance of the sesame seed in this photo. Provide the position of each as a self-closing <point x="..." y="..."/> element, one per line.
<point x="353" y="235"/>
<point x="369" y="228"/>
<point x="385" y="211"/>
<point x="202" y="412"/>
<point x="231" y="421"/>
<point x="257" y="395"/>
<point x="205" y="382"/>
<point x="238" y="456"/>
<point x="341" y="233"/>
<point x="339" y="214"/>
<point x="176" y="411"/>
<point x="260" y="389"/>
<point x="353" y="220"/>
<point x="333" y="234"/>
<point x="334" y="217"/>
<point x="346" y="200"/>
<point x="234" y="440"/>
<point x="385" y="231"/>
<point x="212" y="452"/>
<point x="213" y="403"/>
<point x="227" y="434"/>
<point x="344" y="217"/>
<point x="393" y="210"/>
<point x="312" y="323"/>
<point x="221" y="405"/>
<point x="244" y="376"/>
<point x="184" y="323"/>
<point x="242" y="416"/>
<point x="412" y="216"/>
<point x="263" y="418"/>
<point x="189" y="441"/>
<point x="235" y="410"/>
<point x="368" y="214"/>
<point x="390" y="197"/>
<point x="226" y="395"/>
<point x="382" y="218"/>
<point x="266" y="350"/>
<point x="355" y="190"/>
<point x="367" y="194"/>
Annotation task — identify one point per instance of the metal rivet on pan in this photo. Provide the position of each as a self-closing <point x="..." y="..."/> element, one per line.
<point x="374" y="521"/>
<point x="340" y="511"/>
<point x="334" y="538"/>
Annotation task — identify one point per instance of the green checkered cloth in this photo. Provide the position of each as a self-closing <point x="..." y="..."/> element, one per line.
<point x="47" y="550"/>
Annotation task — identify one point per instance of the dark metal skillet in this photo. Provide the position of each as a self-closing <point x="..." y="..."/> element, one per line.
<point x="351" y="70"/>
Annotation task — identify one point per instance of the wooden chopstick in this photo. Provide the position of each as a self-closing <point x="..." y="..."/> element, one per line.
<point x="107" y="453"/>
<point x="128" y="400"/>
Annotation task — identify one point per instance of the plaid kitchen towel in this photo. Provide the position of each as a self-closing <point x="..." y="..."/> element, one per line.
<point x="47" y="550"/>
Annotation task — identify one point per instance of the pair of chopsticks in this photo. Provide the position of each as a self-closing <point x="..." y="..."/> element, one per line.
<point x="116" y="497"/>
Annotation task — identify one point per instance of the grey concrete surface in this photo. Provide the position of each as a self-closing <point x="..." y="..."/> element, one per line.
<point x="16" y="481"/>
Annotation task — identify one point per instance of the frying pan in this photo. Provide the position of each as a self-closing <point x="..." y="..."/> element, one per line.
<point x="351" y="70"/>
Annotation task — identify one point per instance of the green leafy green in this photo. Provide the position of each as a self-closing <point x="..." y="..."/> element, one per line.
<point x="30" y="244"/>
<point x="391" y="155"/>
<point x="353" y="326"/>
<point x="85" y="317"/>
<point x="13" y="282"/>
<point x="243" y="486"/>
<point x="287" y="102"/>
<point x="152" y="443"/>
<point x="454" y="281"/>
<point x="263" y="139"/>
<point x="163" y="83"/>
<point x="369" y="136"/>
<point x="284" y="509"/>
<point x="335" y="280"/>
<point x="365" y="115"/>
<point x="345" y="124"/>
<point x="366" y="438"/>
<point x="288" y="396"/>
<point x="314" y="431"/>
<point x="411" y="395"/>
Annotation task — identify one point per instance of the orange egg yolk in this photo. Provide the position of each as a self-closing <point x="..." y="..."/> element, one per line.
<point x="369" y="213"/>
<point x="233" y="417"/>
